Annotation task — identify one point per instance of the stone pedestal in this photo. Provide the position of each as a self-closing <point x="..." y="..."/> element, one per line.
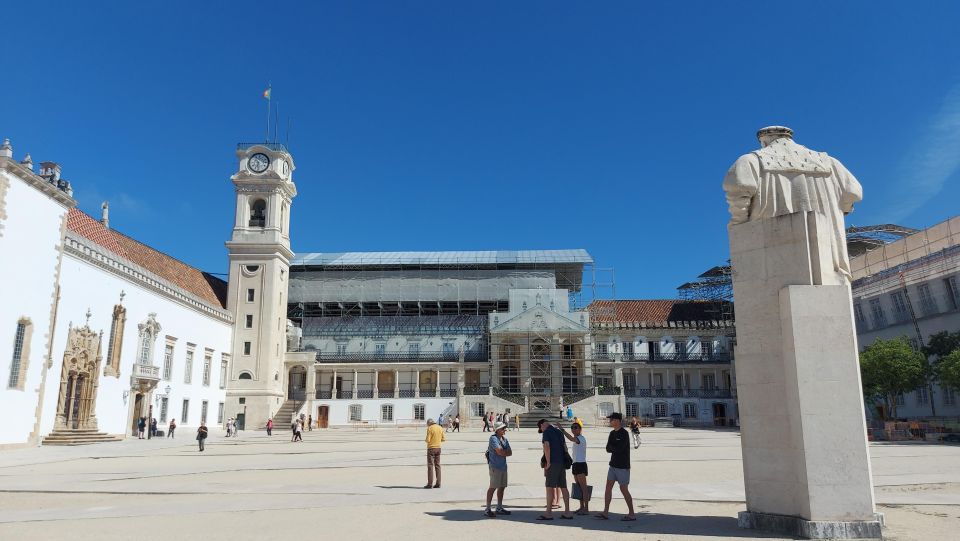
<point x="805" y="458"/>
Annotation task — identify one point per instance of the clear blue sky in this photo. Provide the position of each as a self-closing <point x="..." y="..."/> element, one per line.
<point x="483" y="125"/>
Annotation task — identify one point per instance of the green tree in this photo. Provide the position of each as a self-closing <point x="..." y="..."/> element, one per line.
<point x="889" y="368"/>
<point x="939" y="346"/>
<point x="949" y="369"/>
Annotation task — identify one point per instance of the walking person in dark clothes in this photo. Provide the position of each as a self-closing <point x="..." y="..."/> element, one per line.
<point x="202" y="435"/>
<point x="618" y="445"/>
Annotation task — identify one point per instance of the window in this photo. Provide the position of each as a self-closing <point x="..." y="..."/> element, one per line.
<point x="479" y="408"/>
<point x="386" y="413"/>
<point x="709" y="382"/>
<point x="380" y="349"/>
<point x="220" y="413"/>
<point x="858" y="313"/>
<point x="923" y="396"/>
<point x="164" y="405"/>
<point x="207" y="361"/>
<point x="112" y="366"/>
<point x="689" y="410"/>
<point x="203" y="411"/>
<point x="21" y="346"/>
<point x="448" y="350"/>
<point x="248" y="323"/>
<point x="246" y="348"/>
<point x="258" y="213"/>
<point x="602" y="350"/>
<point x="250" y="295"/>
<point x="949" y="396"/>
<point x="167" y="361"/>
<point x="660" y="409"/>
<point x="877" y="315"/>
<point x="419" y="412"/>
<point x="355" y="412"/>
<point x="900" y="399"/>
<point x="414" y="349"/>
<point x="927" y="303"/>
<point x="633" y="409"/>
<point x="628" y="348"/>
<point x="606" y="408"/>
<point x="186" y="410"/>
<point x="245" y="375"/>
<point x="900" y="312"/>
<point x="953" y="294"/>
<point x="188" y="367"/>
<point x="223" y="372"/>
<point x="341" y="349"/>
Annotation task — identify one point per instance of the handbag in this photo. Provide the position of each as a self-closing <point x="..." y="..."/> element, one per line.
<point x="567" y="460"/>
<point x="578" y="494"/>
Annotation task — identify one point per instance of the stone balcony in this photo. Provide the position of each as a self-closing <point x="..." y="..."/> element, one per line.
<point x="145" y="377"/>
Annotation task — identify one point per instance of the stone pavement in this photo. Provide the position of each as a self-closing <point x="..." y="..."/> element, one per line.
<point x="367" y="485"/>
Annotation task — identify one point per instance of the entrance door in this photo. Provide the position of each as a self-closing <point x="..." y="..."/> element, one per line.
<point x="385" y="384"/>
<point x="323" y="415"/>
<point x="297" y="383"/>
<point x="719" y="414"/>
<point x="137" y="409"/>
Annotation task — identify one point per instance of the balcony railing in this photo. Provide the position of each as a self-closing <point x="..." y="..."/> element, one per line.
<point x="398" y="357"/>
<point x="428" y="393"/>
<point x="678" y="393"/>
<point x="476" y="390"/>
<point x="676" y="357"/>
<point x="448" y="391"/>
<point x="146" y="371"/>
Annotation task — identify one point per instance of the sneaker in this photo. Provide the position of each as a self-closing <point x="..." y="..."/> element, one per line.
<point x="436" y="485"/>
<point x="502" y="511"/>
<point x="490" y="514"/>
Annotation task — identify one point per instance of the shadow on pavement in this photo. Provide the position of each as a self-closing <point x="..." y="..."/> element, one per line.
<point x="651" y="523"/>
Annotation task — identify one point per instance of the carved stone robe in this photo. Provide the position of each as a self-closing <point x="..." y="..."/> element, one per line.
<point x="784" y="178"/>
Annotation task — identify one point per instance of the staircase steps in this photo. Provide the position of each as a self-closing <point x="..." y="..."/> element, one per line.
<point x="529" y="420"/>
<point x="77" y="437"/>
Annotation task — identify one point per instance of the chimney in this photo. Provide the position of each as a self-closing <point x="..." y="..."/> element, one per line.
<point x="6" y="151"/>
<point x="105" y="220"/>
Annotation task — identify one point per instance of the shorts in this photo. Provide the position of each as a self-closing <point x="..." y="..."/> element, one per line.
<point x="498" y="478"/>
<point x="579" y="468"/>
<point x="620" y="475"/>
<point x="556" y="476"/>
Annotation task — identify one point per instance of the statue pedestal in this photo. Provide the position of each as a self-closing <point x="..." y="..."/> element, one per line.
<point x="805" y="458"/>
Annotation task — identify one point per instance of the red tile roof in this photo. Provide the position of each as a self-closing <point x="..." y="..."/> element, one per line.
<point x="651" y="311"/>
<point x="201" y="284"/>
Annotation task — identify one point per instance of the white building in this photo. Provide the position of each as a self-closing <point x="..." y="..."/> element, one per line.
<point x="112" y="331"/>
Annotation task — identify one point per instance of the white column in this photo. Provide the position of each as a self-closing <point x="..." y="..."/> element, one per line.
<point x="396" y="384"/>
<point x="416" y="385"/>
<point x="333" y="386"/>
<point x="376" y="383"/>
<point x="354" y="384"/>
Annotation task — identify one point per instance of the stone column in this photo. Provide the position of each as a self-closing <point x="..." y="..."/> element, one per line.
<point x="376" y="383"/>
<point x="396" y="384"/>
<point x="311" y="383"/>
<point x="805" y="459"/>
<point x="416" y="385"/>
<point x="355" y="384"/>
<point x="333" y="385"/>
<point x="436" y="392"/>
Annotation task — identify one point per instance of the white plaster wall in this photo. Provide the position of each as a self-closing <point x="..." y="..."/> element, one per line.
<point x="28" y="250"/>
<point x="85" y="286"/>
<point x="402" y="409"/>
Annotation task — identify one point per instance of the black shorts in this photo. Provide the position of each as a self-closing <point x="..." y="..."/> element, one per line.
<point x="579" y="468"/>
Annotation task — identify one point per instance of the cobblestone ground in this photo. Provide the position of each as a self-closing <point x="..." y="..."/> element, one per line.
<point x="687" y="484"/>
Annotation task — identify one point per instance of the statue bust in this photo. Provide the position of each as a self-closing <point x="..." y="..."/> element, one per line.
<point x="783" y="177"/>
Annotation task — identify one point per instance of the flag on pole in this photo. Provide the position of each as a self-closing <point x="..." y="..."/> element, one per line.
<point x="266" y="93"/>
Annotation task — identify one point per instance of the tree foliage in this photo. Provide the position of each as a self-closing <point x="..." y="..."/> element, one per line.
<point x="889" y="368"/>
<point x="949" y="369"/>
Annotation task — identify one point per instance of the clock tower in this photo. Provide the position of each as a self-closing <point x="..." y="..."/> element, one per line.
<point x="259" y="252"/>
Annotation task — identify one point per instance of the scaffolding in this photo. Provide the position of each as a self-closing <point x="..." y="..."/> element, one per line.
<point x="715" y="286"/>
<point x="865" y="238"/>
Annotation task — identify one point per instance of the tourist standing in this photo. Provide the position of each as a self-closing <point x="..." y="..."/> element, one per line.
<point x="298" y="431"/>
<point x="569" y="413"/>
<point x="554" y="469"/>
<point x="435" y="438"/>
<point x="635" y="432"/>
<point x="153" y="427"/>
<point x="229" y="426"/>
<point x="618" y="445"/>
<point x="456" y="424"/>
<point x="486" y="422"/>
<point x="498" y="449"/>
<point x="516" y="422"/>
<point x="310" y="422"/>
<point x="171" y="428"/>
<point x="579" y="464"/>
<point x="270" y="426"/>
<point x="141" y="426"/>
<point x="202" y="434"/>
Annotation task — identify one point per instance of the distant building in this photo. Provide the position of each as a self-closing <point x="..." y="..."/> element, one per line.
<point x="914" y="279"/>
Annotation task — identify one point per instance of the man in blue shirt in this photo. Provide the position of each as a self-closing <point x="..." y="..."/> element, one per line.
<point x="498" y="449"/>
<point x="554" y="469"/>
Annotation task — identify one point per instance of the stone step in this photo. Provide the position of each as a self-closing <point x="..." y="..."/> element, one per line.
<point x="77" y="437"/>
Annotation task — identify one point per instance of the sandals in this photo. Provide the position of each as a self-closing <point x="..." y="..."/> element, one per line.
<point x="544" y="517"/>
<point x="628" y="519"/>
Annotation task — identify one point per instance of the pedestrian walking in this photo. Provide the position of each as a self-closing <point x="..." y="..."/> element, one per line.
<point x="554" y="469"/>
<point x="440" y="419"/>
<point x="498" y="449"/>
<point x="171" y="428"/>
<point x="202" y="434"/>
<point x="141" y="427"/>
<point x="486" y="422"/>
<point x="579" y="467"/>
<point x="228" y="426"/>
<point x="516" y="422"/>
<point x="293" y="429"/>
<point x="435" y="438"/>
<point x="153" y="427"/>
<point x="270" y="426"/>
<point x="310" y="422"/>
<point x="298" y="431"/>
<point x="635" y="432"/>
<point x="569" y="413"/>
<point x="618" y="445"/>
<point x="456" y="424"/>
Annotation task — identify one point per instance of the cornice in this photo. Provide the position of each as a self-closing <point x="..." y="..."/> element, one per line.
<point x="85" y="250"/>
<point x="37" y="182"/>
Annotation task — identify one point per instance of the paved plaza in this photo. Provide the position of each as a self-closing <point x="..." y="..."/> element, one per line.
<point x="343" y="484"/>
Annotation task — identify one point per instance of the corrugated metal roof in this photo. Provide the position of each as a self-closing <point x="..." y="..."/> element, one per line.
<point x="444" y="258"/>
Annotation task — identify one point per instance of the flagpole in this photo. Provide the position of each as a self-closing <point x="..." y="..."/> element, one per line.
<point x="276" y="121"/>
<point x="269" y="87"/>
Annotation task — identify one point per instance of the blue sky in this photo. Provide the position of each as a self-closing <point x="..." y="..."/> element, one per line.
<point x="483" y="125"/>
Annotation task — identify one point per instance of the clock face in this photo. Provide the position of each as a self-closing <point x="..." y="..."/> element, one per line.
<point x="258" y="163"/>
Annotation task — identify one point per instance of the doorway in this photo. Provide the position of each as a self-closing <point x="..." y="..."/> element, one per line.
<point x="719" y="414"/>
<point x="323" y="416"/>
<point x="137" y="413"/>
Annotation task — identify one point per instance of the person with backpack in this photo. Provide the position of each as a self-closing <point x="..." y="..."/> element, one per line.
<point x="171" y="428"/>
<point x="498" y="449"/>
<point x="579" y="467"/>
<point x="202" y="435"/>
<point x="555" y="466"/>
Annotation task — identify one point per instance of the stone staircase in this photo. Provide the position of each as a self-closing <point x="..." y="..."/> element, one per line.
<point x="77" y="437"/>
<point x="283" y="416"/>
<point x="529" y="419"/>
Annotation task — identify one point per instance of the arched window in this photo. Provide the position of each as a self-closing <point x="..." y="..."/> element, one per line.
<point x="148" y="334"/>
<point x="21" y="353"/>
<point x="246" y="375"/>
<point x="258" y="213"/>
<point x="115" y="345"/>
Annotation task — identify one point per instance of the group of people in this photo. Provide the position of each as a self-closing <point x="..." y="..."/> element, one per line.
<point x="450" y="423"/>
<point x="492" y="419"/>
<point x="232" y="428"/>
<point x="143" y="426"/>
<point x="556" y="461"/>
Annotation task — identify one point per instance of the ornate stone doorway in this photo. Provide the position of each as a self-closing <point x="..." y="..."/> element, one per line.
<point x="76" y="406"/>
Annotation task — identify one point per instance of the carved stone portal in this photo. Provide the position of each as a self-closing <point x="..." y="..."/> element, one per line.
<point x="76" y="407"/>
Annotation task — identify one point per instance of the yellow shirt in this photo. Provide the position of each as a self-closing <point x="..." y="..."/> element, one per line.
<point x="435" y="437"/>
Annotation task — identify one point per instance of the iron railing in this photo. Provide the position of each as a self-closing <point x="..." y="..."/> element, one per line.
<point x="398" y="357"/>
<point x="571" y="398"/>
<point x="516" y="398"/>
<point x="678" y="393"/>
<point x="270" y="146"/>
<point x="655" y="357"/>
<point x="608" y="390"/>
<point x="476" y="390"/>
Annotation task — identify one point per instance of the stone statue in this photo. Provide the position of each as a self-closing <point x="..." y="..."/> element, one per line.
<point x="784" y="177"/>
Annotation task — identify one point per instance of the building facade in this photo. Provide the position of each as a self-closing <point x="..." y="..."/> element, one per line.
<point x="911" y="288"/>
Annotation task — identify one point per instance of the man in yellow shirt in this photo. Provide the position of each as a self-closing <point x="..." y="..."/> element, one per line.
<point x="435" y="438"/>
